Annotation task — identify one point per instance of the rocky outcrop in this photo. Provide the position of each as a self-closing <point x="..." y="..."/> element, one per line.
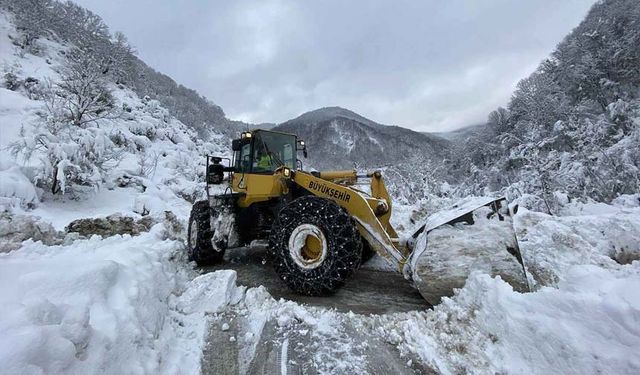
<point x="111" y="225"/>
<point x="17" y="228"/>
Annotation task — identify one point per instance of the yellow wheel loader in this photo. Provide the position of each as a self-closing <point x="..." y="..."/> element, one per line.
<point x="320" y="226"/>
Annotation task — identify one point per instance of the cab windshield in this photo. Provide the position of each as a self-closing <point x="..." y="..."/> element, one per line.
<point x="273" y="150"/>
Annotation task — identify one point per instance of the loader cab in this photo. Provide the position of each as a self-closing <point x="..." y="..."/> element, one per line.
<point x="262" y="152"/>
<point x="260" y="159"/>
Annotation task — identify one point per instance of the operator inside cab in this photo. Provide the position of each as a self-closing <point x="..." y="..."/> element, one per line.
<point x="262" y="161"/>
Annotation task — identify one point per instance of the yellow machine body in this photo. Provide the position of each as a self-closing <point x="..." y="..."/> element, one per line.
<point x="372" y="211"/>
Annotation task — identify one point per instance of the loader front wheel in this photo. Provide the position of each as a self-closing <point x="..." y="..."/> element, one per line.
<point x="315" y="245"/>
<point x="199" y="235"/>
<point x="367" y="252"/>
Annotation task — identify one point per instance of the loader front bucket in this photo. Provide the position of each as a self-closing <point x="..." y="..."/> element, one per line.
<point x="475" y="235"/>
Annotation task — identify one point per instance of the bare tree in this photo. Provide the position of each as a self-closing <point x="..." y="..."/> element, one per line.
<point x="82" y="95"/>
<point x="68" y="132"/>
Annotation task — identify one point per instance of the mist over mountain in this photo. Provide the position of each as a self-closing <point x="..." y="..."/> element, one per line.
<point x="459" y="135"/>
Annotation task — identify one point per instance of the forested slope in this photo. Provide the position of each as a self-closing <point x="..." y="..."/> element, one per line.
<point x="572" y="128"/>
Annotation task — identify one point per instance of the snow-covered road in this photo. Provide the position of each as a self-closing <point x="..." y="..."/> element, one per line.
<point x="287" y="338"/>
<point x="369" y="291"/>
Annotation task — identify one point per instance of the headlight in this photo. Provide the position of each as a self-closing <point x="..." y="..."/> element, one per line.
<point x="286" y="172"/>
<point x="301" y="143"/>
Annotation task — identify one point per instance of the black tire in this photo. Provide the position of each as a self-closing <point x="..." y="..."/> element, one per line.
<point x="367" y="252"/>
<point x="343" y="249"/>
<point x="199" y="246"/>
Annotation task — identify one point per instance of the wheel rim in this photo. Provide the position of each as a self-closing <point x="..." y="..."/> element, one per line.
<point x="307" y="246"/>
<point x="193" y="235"/>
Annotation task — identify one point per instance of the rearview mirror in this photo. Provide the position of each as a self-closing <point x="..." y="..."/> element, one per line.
<point x="237" y="144"/>
<point x="215" y="174"/>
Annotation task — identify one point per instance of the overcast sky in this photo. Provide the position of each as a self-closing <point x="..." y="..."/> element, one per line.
<point x="426" y="65"/>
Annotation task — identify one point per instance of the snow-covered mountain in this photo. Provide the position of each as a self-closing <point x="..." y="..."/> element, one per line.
<point x="341" y="139"/>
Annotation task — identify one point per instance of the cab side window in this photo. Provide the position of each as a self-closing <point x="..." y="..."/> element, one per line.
<point x="243" y="159"/>
<point x="288" y="155"/>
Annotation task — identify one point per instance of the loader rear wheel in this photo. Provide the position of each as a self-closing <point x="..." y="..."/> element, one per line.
<point x="200" y="234"/>
<point x="315" y="245"/>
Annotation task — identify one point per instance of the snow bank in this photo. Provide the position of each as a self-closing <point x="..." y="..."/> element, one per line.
<point x="445" y="256"/>
<point x="551" y="245"/>
<point x="211" y="293"/>
<point x="583" y="317"/>
<point x="588" y="325"/>
<point x="15" y="186"/>
<point x="95" y="306"/>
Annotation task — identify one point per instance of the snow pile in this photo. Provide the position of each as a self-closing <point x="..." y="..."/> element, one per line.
<point x="211" y="293"/>
<point x="96" y="305"/>
<point x="15" y="187"/>
<point x="588" y="325"/>
<point x="582" y="318"/>
<point x="551" y="245"/>
<point x="446" y="255"/>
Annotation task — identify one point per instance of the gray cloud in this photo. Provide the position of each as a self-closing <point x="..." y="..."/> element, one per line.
<point x="427" y="65"/>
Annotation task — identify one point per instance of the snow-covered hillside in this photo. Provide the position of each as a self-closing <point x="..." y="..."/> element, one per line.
<point x="81" y="303"/>
<point x="573" y="126"/>
<point x="338" y="138"/>
<point x="141" y="146"/>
